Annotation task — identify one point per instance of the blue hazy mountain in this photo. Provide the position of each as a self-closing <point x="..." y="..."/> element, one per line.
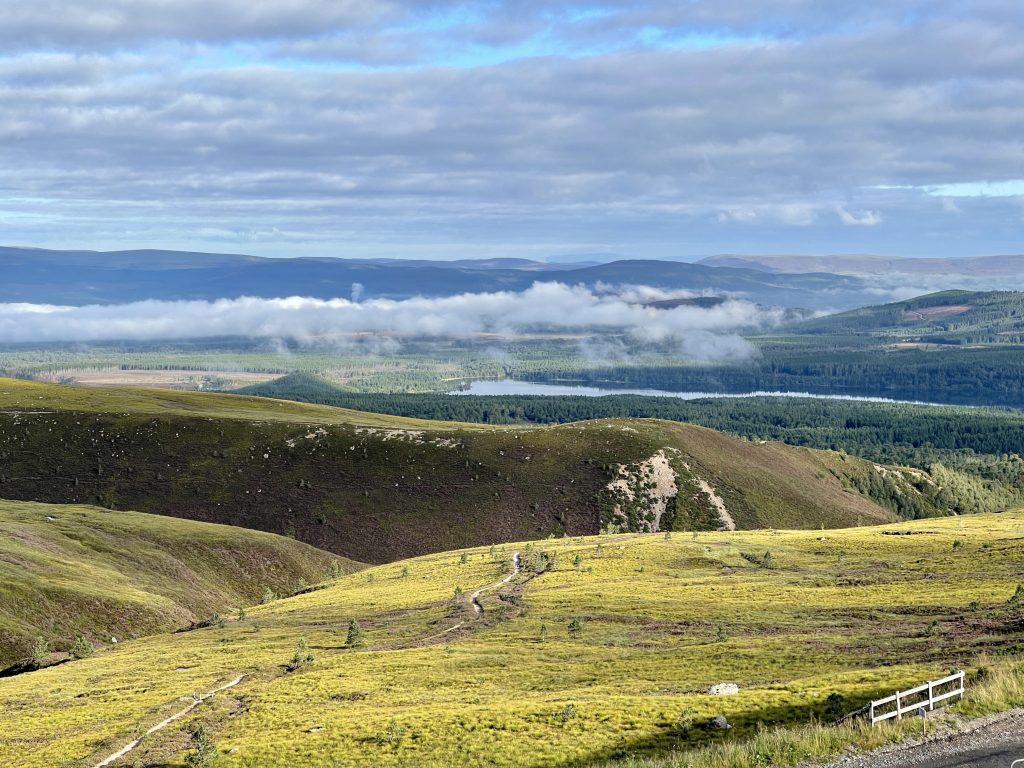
<point x="88" y="277"/>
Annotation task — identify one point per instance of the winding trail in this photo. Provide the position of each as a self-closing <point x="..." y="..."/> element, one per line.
<point x="474" y="598"/>
<point x="164" y="723"/>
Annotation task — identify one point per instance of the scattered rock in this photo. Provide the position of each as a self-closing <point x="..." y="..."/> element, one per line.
<point x="724" y="689"/>
<point x="718" y="723"/>
<point x="315" y="729"/>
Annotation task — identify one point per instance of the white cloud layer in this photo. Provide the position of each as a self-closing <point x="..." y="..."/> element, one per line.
<point x="703" y="333"/>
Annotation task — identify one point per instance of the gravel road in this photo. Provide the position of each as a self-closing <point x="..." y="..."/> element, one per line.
<point x="991" y="742"/>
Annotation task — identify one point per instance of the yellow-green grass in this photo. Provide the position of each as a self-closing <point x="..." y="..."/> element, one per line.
<point x="68" y="571"/>
<point x="855" y="612"/>
<point x="996" y="685"/>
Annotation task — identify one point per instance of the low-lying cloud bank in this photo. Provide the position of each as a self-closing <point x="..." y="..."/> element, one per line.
<point x="705" y="333"/>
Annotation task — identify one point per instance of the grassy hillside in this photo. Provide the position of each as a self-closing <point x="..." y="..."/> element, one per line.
<point x="948" y="317"/>
<point x="70" y="571"/>
<point x="804" y="623"/>
<point x="377" y="488"/>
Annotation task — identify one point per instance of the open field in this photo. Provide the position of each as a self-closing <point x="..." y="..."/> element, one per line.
<point x="70" y="571"/>
<point x="168" y="378"/>
<point x="856" y="612"/>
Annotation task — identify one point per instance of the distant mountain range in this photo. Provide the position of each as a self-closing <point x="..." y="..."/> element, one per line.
<point x="828" y="283"/>
<point x="866" y="265"/>
<point x="93" y="277"/>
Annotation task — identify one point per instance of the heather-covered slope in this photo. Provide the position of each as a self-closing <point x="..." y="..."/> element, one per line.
<point x="69" y="571"/>
<point x="378" y="488"/>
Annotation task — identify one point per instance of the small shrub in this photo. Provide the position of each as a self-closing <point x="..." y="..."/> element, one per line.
<point x="393" y="735"/>
<point x="668" y="535"/>
<point x="576" y="628"/>
<point x="215" y="620"/>
<point x="405" y="573"/>
<point x="370" y="578"/>
<point x="82" y="648"/>
<point x="764" y="561"/>
<point x="577" y="562"/>
<point x="568" y="713"/>
<point x="241" y="613"/>
<point x="269" y="596"/>
<point x="683" y="725"/>
<point x="302" y="586"/>
<point x="720" y="634"/>
<point x="39" y="653"/>
<point x="203" y="752"/>
<point x="302" y="655"/>
<point x="463" y="558"/>
<point x="334" y="570"/>
<point x="1018" y="596"/>
<point x="835" y="706"/>
<point x="543" y="632"/>
<point x="354" y="638"/>
<point x="957" y="544"/>
<point x="458" y="593"/>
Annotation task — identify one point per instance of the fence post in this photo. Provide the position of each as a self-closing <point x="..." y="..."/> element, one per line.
<point x="899" y="710"/>
<point x="872" y="713"/>
<point x="931" y="696"/>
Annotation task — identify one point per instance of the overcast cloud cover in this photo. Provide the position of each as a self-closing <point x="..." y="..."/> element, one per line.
<point x="453" y="129"/>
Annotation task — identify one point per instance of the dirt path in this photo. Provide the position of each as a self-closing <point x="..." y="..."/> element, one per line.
<point x="474" y="599"/>
<point x="164" y="723"/>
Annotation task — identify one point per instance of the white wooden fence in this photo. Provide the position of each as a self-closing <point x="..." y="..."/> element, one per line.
<point x="924" y="696"/>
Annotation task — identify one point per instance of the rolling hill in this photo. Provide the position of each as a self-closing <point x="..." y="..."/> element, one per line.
<point x="377" y="488"/>
<point x="68" y="571"/>
<point x="862" y="265"/>
<point x="592" y="649"/>
<point x="948" y="317"/>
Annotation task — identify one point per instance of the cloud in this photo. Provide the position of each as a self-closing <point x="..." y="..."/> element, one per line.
<point x="394" y="127"/>
<point x="863" y="219"/>
<point x="703" y="333"/>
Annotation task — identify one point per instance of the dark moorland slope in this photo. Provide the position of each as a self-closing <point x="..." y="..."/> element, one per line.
<point x="377" y="488"/>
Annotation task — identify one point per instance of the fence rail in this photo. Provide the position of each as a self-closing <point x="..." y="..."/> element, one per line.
<point x="923" y="697"/>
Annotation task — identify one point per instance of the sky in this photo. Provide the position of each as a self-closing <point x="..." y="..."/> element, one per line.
<point x="448" y="129"/>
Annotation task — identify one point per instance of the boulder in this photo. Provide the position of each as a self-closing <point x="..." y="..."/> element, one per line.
<point x="724" y="689"/>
